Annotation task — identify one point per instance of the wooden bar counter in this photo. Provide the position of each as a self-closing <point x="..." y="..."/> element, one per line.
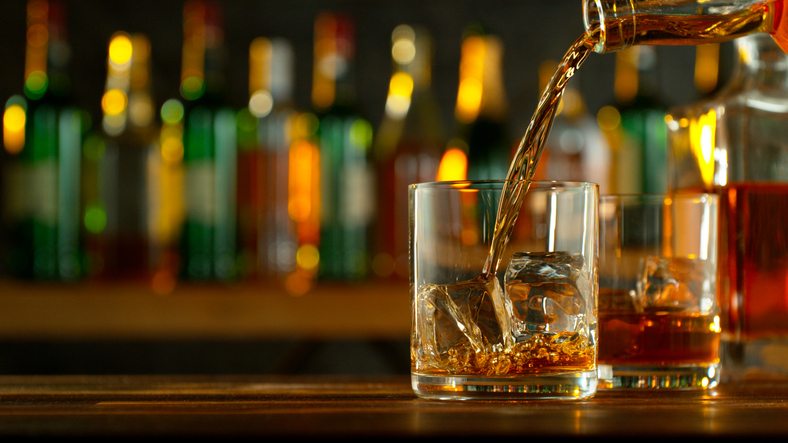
<point x="374" y="407"/>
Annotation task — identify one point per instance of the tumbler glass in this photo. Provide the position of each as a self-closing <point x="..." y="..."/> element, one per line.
<point x="526" y="330"/>
<point x="659" y="324"/>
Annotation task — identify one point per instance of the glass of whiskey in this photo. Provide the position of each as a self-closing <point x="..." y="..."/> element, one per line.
<point x="659" y="323"/>
<point x="503" y="295"/>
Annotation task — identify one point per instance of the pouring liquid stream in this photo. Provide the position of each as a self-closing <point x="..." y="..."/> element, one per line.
<point x="523" y="166"/>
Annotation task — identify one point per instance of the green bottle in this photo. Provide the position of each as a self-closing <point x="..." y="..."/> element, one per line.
<point x="209" y="236"/>
<point x="344" y="139"/>
<point x="42" y="175"/>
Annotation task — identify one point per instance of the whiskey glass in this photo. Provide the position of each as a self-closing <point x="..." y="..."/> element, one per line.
<point x="525" y="330"/>
<point x="659" y="323"/>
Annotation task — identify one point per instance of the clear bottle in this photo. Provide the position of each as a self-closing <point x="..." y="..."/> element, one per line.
<point x="345" y="139"/>
<point x="481" y="108"/>
<point x="121" y="246"/>
<point x="625" y="23"/>
<point x="736" y="144"/>
<point x="407" y="147"/>
<point x="576" y="148"/>
<point x="43" y="135"/>
<point x="268" y="237"/>
<point x="209" y="244"/>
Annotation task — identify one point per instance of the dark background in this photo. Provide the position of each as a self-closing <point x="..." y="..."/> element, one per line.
<point x="532" y="31"/>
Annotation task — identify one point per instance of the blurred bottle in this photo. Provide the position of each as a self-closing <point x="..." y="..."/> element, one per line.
<point x="576" y="149"/>
<point x="42" y="135"/>
<point x="268" y="237"/>
<point x="209" y="238"/>
<point x="116" y="213"/>
<point x="345" y="138"/>
<point x="166" y="210"/>
<point x="407" y="147"/>
<point x="481" y="108"/>
<point x="304" y="200"/>
<point x="639" y="160"/>
<point x="735" y="143"/>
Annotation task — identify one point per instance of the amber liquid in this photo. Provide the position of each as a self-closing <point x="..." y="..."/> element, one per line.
<point x="526" y="158"/>
<point x="561" y="352"/>
<point x="657" y="338"/>
<point x="754" y="259"/>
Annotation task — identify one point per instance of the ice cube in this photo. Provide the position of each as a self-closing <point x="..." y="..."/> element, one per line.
<point x="459" y="319"/>
<point x="676" y="284"/>
<point x="547" y="292"/>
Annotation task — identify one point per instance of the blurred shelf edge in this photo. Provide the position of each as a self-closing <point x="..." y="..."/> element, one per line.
<point x="244" y="311"/>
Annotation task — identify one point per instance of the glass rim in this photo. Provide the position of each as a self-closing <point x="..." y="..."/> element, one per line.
<point x="541" y="184"/>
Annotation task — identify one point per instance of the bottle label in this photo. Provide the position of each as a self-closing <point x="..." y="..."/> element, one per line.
<point x="44" y="186"/>
<point x="31" y="192"/>
<point x="199" y="192"/>
<point x="359" y="205"/>
<point x="17" y="193"/>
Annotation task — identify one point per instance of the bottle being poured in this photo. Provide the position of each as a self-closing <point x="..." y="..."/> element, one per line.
<point x="624" y="23"/>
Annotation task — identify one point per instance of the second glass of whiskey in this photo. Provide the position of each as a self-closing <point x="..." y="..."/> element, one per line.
<point x="659" y="324"/>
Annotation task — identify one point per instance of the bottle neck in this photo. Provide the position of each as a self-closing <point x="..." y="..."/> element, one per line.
<point x="636" y="75"/>
<point x="480" y="66"/>
<point x="47" y="51"/>
<point x="417" y="42"/>
<point x="128" y="102"/>
<point x="761" y="62"/>
<point x="281" y="72"/>
<point x="270" y="75"/>
<point x="141" y="106"/>
<point x="493" y="104"/>
<point x="609" y="19"/>
<point x="333" y="80"/>
<point x="204" y="54"/>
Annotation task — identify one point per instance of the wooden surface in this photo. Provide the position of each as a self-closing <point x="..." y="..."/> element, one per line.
<point x="296" y="406"/>
<point x="93" y="311"/>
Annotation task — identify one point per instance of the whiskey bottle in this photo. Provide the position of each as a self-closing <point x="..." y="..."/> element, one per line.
<point x="735" y="143"/>
<point x="407" y="147"/>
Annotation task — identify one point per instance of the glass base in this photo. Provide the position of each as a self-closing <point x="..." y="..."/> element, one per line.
<point x="694" y="376"/>
<point x="570" y="385"/>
